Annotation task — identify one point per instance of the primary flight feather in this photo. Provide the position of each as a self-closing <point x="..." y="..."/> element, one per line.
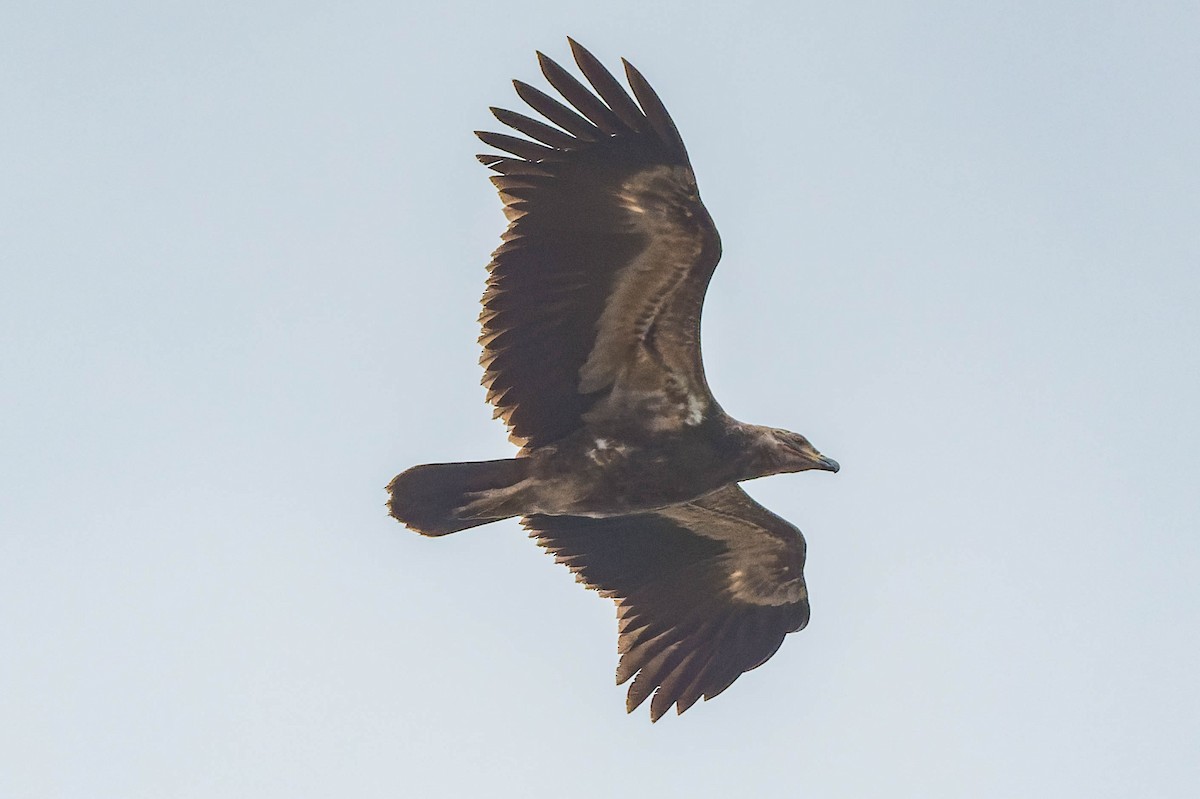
<point x="628" y="470"/>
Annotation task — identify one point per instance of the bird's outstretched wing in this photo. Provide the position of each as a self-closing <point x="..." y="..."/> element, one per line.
<point x="593" y="299"/>
<point x="705" y="591"/>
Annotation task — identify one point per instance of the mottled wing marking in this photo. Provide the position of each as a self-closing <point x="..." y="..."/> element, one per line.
<point x="592" y="307"/>
<point x="767" y="562"/>
<point x="705" y="591"/>
<point x="659" y="201"/>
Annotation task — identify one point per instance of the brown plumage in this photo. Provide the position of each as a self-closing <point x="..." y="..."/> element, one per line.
<point x="628" y="467"/>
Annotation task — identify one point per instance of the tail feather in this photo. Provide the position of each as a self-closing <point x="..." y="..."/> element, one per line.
<point x="429" y="498"/>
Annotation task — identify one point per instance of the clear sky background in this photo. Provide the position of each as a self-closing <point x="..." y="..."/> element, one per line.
<point x="242" y="250"/>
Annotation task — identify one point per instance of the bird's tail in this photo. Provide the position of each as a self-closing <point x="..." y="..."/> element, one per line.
<point x="443" y="498"/>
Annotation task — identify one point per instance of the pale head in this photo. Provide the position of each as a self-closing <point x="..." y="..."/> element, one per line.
<point x="784" y="451"/>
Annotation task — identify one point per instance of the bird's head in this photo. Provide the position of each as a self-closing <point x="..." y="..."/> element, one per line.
<point x="785" y="451"/>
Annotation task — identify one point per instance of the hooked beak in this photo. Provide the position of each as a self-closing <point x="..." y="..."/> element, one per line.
<point x="827" y="464"/>
<point x="815" y="460"/>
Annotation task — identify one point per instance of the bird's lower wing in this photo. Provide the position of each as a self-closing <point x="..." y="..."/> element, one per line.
<point x="705" y="591"/>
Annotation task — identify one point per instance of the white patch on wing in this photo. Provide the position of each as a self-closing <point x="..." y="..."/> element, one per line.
<point x="630" y="202"/>
<point x="605" y="451"/>
<point x="695" y="410"/>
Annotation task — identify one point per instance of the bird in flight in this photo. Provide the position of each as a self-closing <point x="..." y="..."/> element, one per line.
<point x="628" y="470"/>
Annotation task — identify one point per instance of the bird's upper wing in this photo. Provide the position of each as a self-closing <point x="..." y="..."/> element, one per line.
<point x="705" y="591"/>
<point x="593" y="299"/>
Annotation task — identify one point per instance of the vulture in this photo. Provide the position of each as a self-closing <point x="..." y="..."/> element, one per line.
<point x="628" y="468"/>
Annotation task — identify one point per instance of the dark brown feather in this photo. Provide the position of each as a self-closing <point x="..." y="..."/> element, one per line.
<point x="607" y="87"/>
<point x="688" y="627"/>
<point x="578" y="95"/>
<point x="568" y="247"/>
<point x="551" y="137"/>
<point x="650" y="677"/>
<point x="511" y="166"/>
<point x="557" y="113"/>
<point x="670" y="684"/>
<point x="655" y="111"/>
<point x="519" y="147"/>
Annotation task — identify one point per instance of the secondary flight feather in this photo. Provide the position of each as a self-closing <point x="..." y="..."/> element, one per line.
<point x="628" y="470"/>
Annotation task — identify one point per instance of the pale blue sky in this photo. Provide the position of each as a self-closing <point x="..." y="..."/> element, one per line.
<point x="242" y="249"/>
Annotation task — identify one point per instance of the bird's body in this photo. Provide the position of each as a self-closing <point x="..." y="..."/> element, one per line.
<point x="615" y="469"/>
<point x="629" y="467"/>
